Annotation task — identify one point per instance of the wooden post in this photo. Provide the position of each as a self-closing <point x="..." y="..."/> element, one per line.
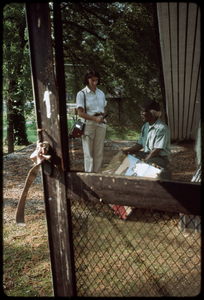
<point x="56" y="203"/>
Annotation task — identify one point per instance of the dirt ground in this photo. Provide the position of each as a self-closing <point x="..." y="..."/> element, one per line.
<point x="182" y="158"/>
<point x="17" y="165"/>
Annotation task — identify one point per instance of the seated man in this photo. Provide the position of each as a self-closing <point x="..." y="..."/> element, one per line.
<point x="154" y="137"/>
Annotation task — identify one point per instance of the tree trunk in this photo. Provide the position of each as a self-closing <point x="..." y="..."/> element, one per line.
<point x="10" y="131"/>
<point x="16" y="123"/>
<point x="20" y="129"/>
<point x="18" y="119"/>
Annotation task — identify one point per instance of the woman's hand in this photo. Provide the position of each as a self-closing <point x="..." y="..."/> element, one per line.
<point x="84" y="115"/>
<point x="99" y="120"/>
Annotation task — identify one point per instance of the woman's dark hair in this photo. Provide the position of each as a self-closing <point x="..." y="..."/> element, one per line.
<point x="89" y="74"/>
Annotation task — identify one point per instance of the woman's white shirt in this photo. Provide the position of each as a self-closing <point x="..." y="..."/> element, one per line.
<point x="95" y="102"/>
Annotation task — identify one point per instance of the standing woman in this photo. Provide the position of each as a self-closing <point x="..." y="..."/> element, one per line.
<point x="95" y="126"/>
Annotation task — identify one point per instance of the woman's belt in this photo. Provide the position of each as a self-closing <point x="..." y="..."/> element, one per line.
<point x="97" y="115"/>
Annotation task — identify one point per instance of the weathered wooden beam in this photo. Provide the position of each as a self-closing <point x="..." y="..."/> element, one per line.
<point x="56" y="203"/>
<point x="170" y="196"/>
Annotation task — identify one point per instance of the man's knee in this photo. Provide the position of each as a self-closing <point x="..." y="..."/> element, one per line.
<point x="159" y="161"/>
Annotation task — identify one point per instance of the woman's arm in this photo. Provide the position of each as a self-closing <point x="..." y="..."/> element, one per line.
<point x="84" y="115"/>
<point x="104" y="112"/>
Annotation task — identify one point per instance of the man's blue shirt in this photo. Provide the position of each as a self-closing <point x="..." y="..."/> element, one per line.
<point x="155" y="136"/>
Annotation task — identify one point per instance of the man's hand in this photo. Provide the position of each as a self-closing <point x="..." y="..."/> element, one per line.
<point x="155" y="152"/>
<point x="122" y="156"/>
<point x="137" y="147"/>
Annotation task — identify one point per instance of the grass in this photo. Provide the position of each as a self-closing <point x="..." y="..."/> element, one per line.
<point x="112" y="133"/>
<point x="135" y="262"/>
<point x="121" y="133"/>
<point x="26" y="262"/>
<point x="105" y="265"/>
<point x="30" y="130"/>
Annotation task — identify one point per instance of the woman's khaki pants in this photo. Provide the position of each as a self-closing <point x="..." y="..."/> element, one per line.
<point x="93" y="145"/>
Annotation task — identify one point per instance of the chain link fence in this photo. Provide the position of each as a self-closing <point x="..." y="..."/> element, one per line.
<point x="148" y="254"/>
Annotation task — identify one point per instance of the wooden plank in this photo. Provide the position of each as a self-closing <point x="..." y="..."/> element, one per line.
<point x="195" y="105"/>
<point x="192" y="10"/>
<point x="163" y="21"/>
<point x="181" y="66"/>
<point x="56" y="203"/>
<point x="174" y="60"/>
<point x="171" y="196"/>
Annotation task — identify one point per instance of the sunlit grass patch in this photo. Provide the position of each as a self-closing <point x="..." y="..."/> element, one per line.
<point x="26" y="261"/>
<point x="121" y="133"/>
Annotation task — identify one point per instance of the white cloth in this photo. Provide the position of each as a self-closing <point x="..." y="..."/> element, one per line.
<point x="95" y="102"/>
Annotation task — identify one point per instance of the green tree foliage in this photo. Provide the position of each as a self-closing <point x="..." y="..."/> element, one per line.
<point x="115" y="38"/>
<point x="118" y="40"/>
<point x="17" y="87"/>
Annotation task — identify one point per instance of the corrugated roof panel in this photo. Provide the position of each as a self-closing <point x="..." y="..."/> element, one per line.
<point x="192" y="11"/>
<point x="195" y="95"/>
<point x="179" y="30"/>
<point x="182" y="11"/>
<point x="197" y="111"/>
<point x="174" y="64"/>
<point x="163" y="18"/>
